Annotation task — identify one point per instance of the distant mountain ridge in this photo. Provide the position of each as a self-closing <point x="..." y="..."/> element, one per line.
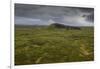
<point x="58" y="25"/>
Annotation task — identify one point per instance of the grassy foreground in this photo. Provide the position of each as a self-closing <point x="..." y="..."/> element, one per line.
<point x="39" y="45"/>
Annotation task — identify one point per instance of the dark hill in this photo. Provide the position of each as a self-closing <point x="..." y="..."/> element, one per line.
<point x="58" y="25"/>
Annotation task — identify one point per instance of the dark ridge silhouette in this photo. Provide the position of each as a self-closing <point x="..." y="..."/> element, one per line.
<point x="57" y="25"/>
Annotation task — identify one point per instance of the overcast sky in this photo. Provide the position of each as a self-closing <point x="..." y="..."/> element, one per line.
<point x="28" y="14"/>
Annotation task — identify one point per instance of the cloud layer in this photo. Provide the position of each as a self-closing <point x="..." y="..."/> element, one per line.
<point x="27" y="14"/>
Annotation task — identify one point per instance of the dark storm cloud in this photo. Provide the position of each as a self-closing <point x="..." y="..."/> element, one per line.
<point x="90" y="17"/>
<point x="42" y="14"/>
